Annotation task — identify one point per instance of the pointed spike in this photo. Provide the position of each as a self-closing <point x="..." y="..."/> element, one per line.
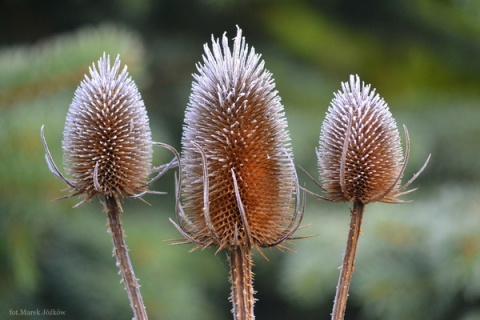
<point x="313" y="179"/>
<point x="344" y="156"/>
<point x="184" y="232"/>
<point x="243" y="215"/>
<point x="206" y="191"/>
<point x="51" y="164"/>
<point x="415" y="176"/>
<point x="400" y="174"/>
<point x="96" y="184"/>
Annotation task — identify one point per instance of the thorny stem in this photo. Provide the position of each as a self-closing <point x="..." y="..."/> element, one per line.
<point x="241" y="276"/>
<point x="123" y="260"/>
<point x="346" y="272"/>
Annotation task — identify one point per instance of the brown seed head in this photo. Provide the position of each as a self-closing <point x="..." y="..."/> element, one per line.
<point x="360" y="155"/>
<point x="239" y="181"/>
<point x="107" y="142"/>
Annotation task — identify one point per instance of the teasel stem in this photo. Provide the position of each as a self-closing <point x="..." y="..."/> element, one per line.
<point x="343" y="286"/>
<point x="123" y="260"/>
<point x="241" y="277"/>
<point x="108" y="152"/>
<point x="360" y="160"/>
<point x="238" y="188"/>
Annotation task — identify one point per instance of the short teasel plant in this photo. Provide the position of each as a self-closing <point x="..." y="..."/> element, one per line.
<point x="360" y="160"/>
<point x="107" y="149"/>
<point x="238" y="187"/>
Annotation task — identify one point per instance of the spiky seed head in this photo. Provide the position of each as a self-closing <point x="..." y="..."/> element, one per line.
<point x="107" y="142"/>
<point x="235" y="118"/>
<point x="360" y="156"/>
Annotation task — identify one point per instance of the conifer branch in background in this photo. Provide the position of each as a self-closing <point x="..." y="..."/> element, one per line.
<point x="238" y="183"/>
<point x="19" y="84"/>
<point x="360" y="160"/>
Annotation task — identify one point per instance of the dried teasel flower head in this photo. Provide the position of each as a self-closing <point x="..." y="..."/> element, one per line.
<point x="106" y="141"/>
<point x="239" y="185"/>
<point x="360" y="156"/>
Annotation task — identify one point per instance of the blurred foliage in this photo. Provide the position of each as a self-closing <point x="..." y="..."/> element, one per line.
<point x="60" y="63"/>
<point x="417" y="260"/>
<point x="413" y="262"/>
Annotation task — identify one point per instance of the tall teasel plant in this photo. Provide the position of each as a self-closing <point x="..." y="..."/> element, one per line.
<point x="360" y="160"/>
<point x="107" y="149"/>
<point x="239" y="187"/>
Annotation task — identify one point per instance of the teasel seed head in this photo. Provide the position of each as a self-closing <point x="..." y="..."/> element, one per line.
<point x="360" y="156"/>
<point x="239" y="184"/>
<point x="106" y="141"/>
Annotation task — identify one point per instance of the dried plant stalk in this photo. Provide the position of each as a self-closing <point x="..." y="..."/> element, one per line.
<point x="241" y="277"/>
<point x="346" y="272"/>
<point x="238" y="183"/>
<point x="123" y="260"/>
<point x="360" y="160"/>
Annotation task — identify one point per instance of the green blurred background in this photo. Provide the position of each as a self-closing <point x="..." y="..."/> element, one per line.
<point x="418" y="260"/>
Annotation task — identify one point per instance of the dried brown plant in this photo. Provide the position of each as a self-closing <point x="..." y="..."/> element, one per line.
<point x="239" y="186"/>
<point x="360" y="160"/>
<point x="108" y="152"/>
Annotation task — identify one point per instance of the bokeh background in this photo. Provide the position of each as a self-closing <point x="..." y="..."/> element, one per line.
<point x="418" y="260"/>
